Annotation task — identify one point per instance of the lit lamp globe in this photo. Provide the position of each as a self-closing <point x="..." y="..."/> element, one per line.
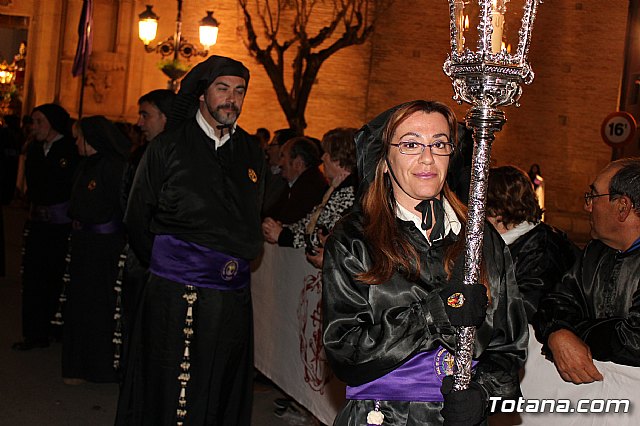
<point x="6" y="73"/>
<point x="208" y="30"/>
<point x="147" y="25"/>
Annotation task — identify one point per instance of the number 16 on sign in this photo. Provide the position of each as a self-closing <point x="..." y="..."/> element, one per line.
<point x="618" y="129"/>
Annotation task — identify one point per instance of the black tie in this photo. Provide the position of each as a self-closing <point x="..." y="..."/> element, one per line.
<point x="426" y="207"/>
<point x="221" y="127"/>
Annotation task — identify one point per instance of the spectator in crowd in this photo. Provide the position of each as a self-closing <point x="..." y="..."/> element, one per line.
<point x="541" y="254"/>
<point x="280" y="137"/>
<point x="339" y="161"/>
<point x="535" y="175"/>
<point x="275" y="186"/>
<point x="194" y="217"/>
<point x="263" y="135"/>
<point x="538" y="184"/>
<point x="299" y="161"/>
<point x="310" y="232"/>
<point x="589" y="323"/>
<point x="50" y="165"/>
<point x="392" y="280"/>
<point x="97" y="241"/>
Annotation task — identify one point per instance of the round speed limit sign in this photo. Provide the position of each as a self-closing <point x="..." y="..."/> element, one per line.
<point x="618" y="128"/>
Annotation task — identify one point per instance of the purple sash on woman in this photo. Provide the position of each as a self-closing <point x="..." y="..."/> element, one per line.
<point x="192" y="264"/>
<point x="418" y="379"/>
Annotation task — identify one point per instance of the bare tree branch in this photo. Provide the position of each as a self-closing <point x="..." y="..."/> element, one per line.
<point x="355" y="17"/>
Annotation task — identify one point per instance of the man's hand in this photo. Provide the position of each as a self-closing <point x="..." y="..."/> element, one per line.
<point x="572" y="358"/>
<point x="271" y="230"/>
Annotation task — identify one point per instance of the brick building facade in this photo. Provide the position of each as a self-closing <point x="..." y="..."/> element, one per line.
<point x="577" y="54"/>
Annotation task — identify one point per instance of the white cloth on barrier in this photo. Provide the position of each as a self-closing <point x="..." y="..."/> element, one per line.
<point x="542" y="381"/>
<point x="286" y="292"/>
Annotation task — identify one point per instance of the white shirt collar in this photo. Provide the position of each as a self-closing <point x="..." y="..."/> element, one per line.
<point x="211" y="131"/>
<point x="46" y="146"/>
<point x="517" y="231"/>
<point x="451" y="222"/>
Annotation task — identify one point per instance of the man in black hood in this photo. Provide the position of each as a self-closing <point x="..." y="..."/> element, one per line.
<point x="194" y="218"/>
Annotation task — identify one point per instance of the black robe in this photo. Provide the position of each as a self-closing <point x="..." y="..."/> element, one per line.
<point x="598" y="300"/>
<point x="88" y="350"/>
<point x="49" y="180"/>
<point x="541" y="257"/>
<point x="186" y="188"/>
<point x="370" y="330"/>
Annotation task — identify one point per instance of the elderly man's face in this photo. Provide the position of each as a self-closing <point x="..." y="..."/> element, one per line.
<point x="223" y="99"/>
<point x="602" y="210"/>
<point x="150" y="120"/>
<point x="291" y="168"/>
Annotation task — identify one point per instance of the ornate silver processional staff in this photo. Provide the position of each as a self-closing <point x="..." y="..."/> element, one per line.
<point x="487" y="77"/>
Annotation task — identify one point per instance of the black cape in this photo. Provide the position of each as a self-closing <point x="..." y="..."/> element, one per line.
<point x="369" y="330"/>
<point x="186" y="188"/>
<point x="541" y="257"/>
<point x="599" y="300"/>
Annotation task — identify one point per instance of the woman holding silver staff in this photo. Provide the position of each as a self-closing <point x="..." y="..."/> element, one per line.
<point x="393" y="290"/>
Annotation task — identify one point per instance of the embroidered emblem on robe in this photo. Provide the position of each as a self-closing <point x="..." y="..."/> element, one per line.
<point x="253" y="176"/>
<point x="229" y="270"/>
<point x="443" y="363"/>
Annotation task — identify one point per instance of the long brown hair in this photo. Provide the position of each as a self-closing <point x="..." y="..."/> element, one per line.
<point x="389" y="250"/>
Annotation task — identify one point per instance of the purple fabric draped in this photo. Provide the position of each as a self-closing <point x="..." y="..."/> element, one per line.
<point x="85" y="39"/>
<point x="55" y="214"/>
<point x="418" y="379"/>
<point x="110" y="227"/>
<point x="192" y="264"/>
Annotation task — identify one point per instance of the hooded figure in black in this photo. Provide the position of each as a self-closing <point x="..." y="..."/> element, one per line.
<point x="194" y="218"/>
<point x="50" y="165"/>
<point x="97" y="240"/>
<point x="393" y="291"/>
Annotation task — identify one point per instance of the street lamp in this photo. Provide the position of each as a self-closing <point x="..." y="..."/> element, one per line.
<point x="176" y="45"/>
<point x="7" y="73"/>
<point x="485" y="74"/>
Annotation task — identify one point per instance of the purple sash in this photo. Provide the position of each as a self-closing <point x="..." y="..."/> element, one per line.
<point x="192" y="264"/>
<point x="418" y="379"/>
<point x="55" y="213"/>
<point x="110" y="227"/>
